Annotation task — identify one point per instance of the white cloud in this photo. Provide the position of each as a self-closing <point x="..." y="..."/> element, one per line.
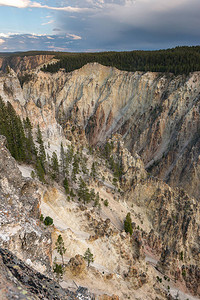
<point x="47" y="23"/>
<point x="67" y="8"/>
<point x="4" y="35"/>
<point x="1" y="41"/>
<point x="74" y="36"/>
<point x="15" y="3"/>
<point x="28" y="3"/>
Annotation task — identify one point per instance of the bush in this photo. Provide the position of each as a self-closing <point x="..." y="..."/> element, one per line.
<point x="48" y="221"/>
<point x="41" y="218"/>
<point x="105" y="202"/>
<point x="184" y="273"/>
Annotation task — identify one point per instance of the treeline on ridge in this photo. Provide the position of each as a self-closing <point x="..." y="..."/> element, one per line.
<point x="179" y="60"/>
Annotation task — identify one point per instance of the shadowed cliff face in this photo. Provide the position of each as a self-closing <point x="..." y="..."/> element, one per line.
<point x="157" y="114"/>
<point x="26" y="63"/>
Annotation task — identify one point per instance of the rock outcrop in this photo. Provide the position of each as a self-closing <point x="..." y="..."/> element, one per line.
<point x="20" y="229"/>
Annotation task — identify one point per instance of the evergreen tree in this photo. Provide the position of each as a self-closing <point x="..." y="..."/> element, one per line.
<point x="30" y="146"/>
<point x="62" y="159"/>
<point x="58" y="270"/>
<point x="92" y="195"/>
<point x="40" y="170"/>
<point x="60" y="247"/>
<point x="83" y="165"/>
<point x="66" y="185"/>
<point x="93" y="173"/>
<point x="12" y="127"/>
<point x="75" y="169"/>
<point x="128" y="224"/>
<point x="88" y="256"/>
<point x="83" y="191"/>
<point x="68" y="158"/>
<point x="41" y="151"/>
<point x="54" y="166"/>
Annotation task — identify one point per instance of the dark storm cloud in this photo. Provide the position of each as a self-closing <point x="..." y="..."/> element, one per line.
<point x="141" y="24"/>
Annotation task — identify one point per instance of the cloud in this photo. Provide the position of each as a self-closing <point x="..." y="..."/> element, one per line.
<point x="28" y="3"/>
<point x="4" y="35"/>
<point x="116" y="24"/>
<point x="26" y="42"/>
<point x="135" y="24"/>
<point x="74" y="36"/>
<point x="15" y="3"/>
<point x="47" y="23"/>
<point x="65" y="8"/>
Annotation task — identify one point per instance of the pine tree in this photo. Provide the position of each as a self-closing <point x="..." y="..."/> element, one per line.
<point x="30" y="146"/>
<point x="40" y="170"/>
<point x="93" y="173"/>
<point x="83" y="191"/>
<point x="68" y="159"/>
<point x="75" y="169"/>
<point x="88" y="256"/>
<point x="128" y="224"/>
<point x="83" y="165"/>
<point x="58" y="270"/>
<point x="60" y="247"/>
<point x="92" y="195"/>
<point x="41" y="151"/>
<point x="54" y="166"/>
<point x="66" y="185"/>
<point x="62" y="159"/>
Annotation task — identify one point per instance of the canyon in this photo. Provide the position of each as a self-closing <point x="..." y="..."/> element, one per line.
<point x="152" y="122"/>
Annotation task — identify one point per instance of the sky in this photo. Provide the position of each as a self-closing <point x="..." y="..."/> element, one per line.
<point x="98" y="25"/>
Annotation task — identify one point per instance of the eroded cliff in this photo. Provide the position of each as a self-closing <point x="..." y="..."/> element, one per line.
<point x="157" y="114"/>
<point x="157" y="117"/>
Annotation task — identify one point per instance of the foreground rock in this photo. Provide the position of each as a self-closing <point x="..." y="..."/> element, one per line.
<point x="20" y="229"/>
<point x="19" y="281"/>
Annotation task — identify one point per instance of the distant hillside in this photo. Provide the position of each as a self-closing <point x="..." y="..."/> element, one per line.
<point x="180" y="60"/>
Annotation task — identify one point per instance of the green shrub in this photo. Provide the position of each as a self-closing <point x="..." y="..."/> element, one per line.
<point x="48" y="221"/>
<point x="184" y="273"/>
<point x="105" y="202"/>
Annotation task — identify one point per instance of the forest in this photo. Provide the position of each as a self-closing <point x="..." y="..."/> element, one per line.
<point x="179" y="60"/>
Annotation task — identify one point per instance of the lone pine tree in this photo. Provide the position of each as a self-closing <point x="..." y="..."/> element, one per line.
<point x="58" y="270"/>
<point x="128" y="224"/>
<point x="60" y="247"/>
<point x="88" y="256"/>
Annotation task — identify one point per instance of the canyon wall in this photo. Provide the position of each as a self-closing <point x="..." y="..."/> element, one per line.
<point x="24" y="63"/>
<point x="157" y="114"/>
